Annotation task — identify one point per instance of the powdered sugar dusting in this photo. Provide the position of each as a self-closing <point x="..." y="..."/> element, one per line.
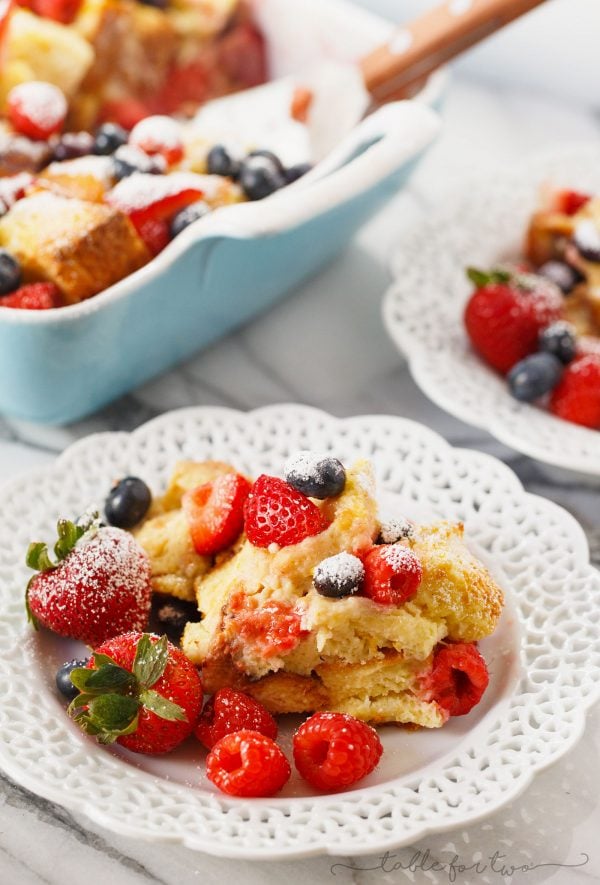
<point x="400" y="558"/>
<point x="306" y="465"/>
<point x="155" y="132"/>
<point x="140" y="190"/>
<point x="98" y="167"/>
<point x="44" y="104"/>
<point x="139" y="159"/>
<point x="13" y="188"/>
<point x="393" y="530"/>
<point x="341" y="570"/>
<point x="587" y="236"/>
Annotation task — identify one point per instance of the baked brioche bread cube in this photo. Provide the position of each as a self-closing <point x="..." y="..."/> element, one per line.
<point x="82" y="247"/>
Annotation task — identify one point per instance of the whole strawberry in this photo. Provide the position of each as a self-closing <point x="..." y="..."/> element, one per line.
<point x="140" y="691"/>
<point x="577" y="396"/>
<point x="506" y="314"/>
<point x="97" y="585"/>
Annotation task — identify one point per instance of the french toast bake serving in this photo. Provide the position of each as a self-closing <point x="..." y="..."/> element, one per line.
<point x="287" y="595"/>
<point x="100" y="167"/>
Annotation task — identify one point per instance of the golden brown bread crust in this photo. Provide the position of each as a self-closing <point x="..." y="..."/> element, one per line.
<point x="82" y="247"/>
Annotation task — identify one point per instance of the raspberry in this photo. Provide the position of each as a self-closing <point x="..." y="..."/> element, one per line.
<point x="335" y="750"/>
<point x="275" y="628"/>
<point x="246" y="763"/>
<point x="392" y="574"/>
<point x="457" y="679"/>
<point x="34" y="296"/>
<point x="504" y="319"/>
<point x="228" y="711"/>
<point x="215" y="512"/>
<point x="278" y="514"/>
<point x="577" y="396"/>
<point x="36" y="109"/>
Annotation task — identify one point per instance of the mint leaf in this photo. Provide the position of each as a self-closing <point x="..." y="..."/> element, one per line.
<point x="163" y="707"/>
<point x="150" y="660"/>
<point x="113" y="713"/>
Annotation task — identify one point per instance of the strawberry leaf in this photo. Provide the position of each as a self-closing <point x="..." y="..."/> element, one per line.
<point x="150" y="660"/>
<point x="484" y="278"/>
<point x="108" y="678"/>
<point x="68" y="535"/>
<point x="111" y="714"/>
<point x="37" y="557"/>
<point x="163" y="707"/>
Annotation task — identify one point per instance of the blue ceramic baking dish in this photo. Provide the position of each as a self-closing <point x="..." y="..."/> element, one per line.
<point x="57" y="366"/>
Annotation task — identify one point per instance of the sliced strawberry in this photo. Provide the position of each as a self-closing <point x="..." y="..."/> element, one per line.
<point x="215" y="512"/>
<point x="278" y="514"/>
<point x="144" y="197"/>
<point x="6" y="8"/>
<point x="576" y="398"/>
<point x="36" y="109"/>
<point x="154" y="233"/>
<point x="159" y="135"/>
<point x="458" y="678"/>
<point x="33" y="296"/>
<point x="63" y="11"/>
<point x="570" y="202"/>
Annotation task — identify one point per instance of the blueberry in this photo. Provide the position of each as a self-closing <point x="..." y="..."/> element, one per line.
<point x="315" y="475"/>
<point x="127" y="502"/>
<point x="559" y="339"/>
<point x="295" y="172"/>
<point x="587" y="240"/>
<point x="122" y="168"/>
<point x="220" y="162"/>
<point x="260" y="177"/>
<point x="338" y="576"/>
<point x="185" y="216"/>
<point x="169" y="615"/>
<point x="561" y="274"/>
<point x="63" y="679"/>
<point x="10" y="273"/>
<point x="393" y="530"/>
<point x="271" y="157"/>
<point x="108" y="138"/>
<point x="72" y="145"/>
<point x="534" y="376"/>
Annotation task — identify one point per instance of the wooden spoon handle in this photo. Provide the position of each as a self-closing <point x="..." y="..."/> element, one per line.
<point x="417" y="49"/>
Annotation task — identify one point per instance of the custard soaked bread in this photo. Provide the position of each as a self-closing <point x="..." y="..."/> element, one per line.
<point x="343" y="612"/>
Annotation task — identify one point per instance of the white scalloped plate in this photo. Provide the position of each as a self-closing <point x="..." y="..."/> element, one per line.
<point x="484" y="223"/>
<point x="544" y="659"/>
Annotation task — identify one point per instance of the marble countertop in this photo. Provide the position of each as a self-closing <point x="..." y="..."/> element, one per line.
<point x="556" y="821"/>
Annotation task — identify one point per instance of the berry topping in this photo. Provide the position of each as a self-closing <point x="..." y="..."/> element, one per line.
<point x="13" y="188"/>
<point x="577" y="397"/>
<point x="570" y="202"/>
<point x="247" y="763"/>
<point x="317" y="476"/>
<point x="534" y="376"/>
<point x="140" y="691"/>
<point x="33" y="296"/>
<point x="155" y="234"/>
<point x="559" y="339"/>
<point x="229" y="711"/>
<point x="159" y="135"/>
<point x="506" y="313"/>
<point x="63" y="11"/>
<point x="392" y="574"/>
<point x="278" y="514"/>
<point x="129" y="159"/>
<point x="274" y="628"/>
<point x="158" y="197"/>
<point x="334" y="750"/>
<point x="293" y="173"/>
<point x="393" y="530"/>
<point x="561" y="274"/>
<point x="97" y="584"/>
<point x="458" y="678"/>
<point x="260" y="177"/>
<point x="108" y="138"/>
<point x="271" y="157"/>
<point x="184" y="218"/>
<point x="127" y="502"/>
<point x="219" y="161"/>
<point x="36" y="109"/>
<point x="72" y="145"/>
<point x="339" y="575"/>
<point x="587" y="240"/>
<point x="215" y="512"/>
<point x="10" y="273"/>
<point x="63" y="678"/>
